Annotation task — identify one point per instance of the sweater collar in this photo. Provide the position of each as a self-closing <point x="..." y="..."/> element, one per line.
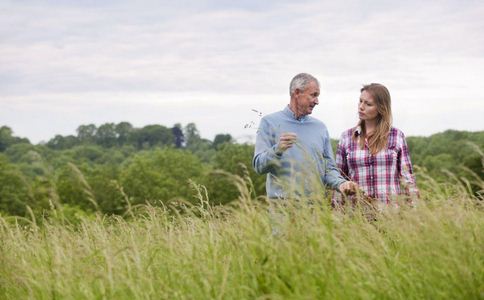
<point x="288" y="112"/>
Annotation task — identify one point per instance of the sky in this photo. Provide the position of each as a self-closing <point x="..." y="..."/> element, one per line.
<point x="224" y="64"/>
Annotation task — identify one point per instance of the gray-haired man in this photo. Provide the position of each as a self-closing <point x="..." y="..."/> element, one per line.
<point x="294" y="149"/>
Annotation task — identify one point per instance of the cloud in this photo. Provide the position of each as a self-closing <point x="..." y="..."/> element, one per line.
<point x="62" y="56"/>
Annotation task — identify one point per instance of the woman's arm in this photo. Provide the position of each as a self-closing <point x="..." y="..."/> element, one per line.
<point x="405" y="167"/>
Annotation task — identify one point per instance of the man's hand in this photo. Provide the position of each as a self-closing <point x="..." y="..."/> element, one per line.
<point x="348" y="188"/>
<point x="286" y="140"/>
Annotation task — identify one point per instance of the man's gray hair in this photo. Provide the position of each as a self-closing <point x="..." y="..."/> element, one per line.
<point x="300" y="81"/>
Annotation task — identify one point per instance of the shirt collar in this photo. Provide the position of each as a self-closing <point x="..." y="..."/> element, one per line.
<point x="357" y="132"/>
<point x="288" y="112"/>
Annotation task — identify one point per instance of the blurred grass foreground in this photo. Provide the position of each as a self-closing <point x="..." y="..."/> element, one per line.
<point x="184" y="251"/>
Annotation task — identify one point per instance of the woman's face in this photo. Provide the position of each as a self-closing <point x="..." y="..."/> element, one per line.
<point x="367" y="110"/>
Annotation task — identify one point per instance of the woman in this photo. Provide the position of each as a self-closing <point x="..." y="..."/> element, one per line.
<point x="374" y="154"/>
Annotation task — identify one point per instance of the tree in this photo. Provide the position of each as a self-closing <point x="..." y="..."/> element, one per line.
<point x="123" y="132"/>
<point x="152" y="135"/>
<point x="106" y="135"/>
<point x="179" y="137"/>
<point x="15" y="192"/>
<point x="7" y="139"/>
<point x="160" y="175"/>
<point x="107" y="191"/>
<point x="86" y="133"/>
<point x="16" y="152"/>
<point x="198" y="146"/>
<point x="74" y="189"/>
<point x="60" y="142"/>
<point x="86" y="154"/>
<point x="192" y="135"/>
<point x="220" y="139"/>
<point x="235" y="159"/>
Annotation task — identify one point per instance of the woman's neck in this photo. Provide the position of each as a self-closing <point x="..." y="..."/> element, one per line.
<point x="370" y="127"/>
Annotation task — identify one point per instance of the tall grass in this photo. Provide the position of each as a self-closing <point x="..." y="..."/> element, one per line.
<point x="432" y="251"/>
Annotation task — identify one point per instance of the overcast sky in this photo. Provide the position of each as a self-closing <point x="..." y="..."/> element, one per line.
<point x="214" y="63"/>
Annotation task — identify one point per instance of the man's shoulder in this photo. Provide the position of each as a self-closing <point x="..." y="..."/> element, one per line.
<point x="278" y="115"/>
<point x="317" y="122"/>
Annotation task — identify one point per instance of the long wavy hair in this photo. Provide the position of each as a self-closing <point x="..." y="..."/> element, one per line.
<point x="378" y="140"/>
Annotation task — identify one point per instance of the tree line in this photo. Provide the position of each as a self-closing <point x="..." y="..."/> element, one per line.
<point x="124" y="134"/>
<point x="115" y="167"/>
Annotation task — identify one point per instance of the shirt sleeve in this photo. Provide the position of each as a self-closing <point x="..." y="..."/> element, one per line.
<point x="332" y="176"/>
<point x="265" y="156"/>
<point x="341" y="160"/>
<point x="405" y="167"/>
<point x="342" y="165"/>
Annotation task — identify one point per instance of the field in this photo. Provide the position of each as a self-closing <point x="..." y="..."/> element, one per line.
<point x="181" y="251"/>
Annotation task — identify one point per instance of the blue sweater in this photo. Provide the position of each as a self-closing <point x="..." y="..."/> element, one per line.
<point x="301" y="169"/>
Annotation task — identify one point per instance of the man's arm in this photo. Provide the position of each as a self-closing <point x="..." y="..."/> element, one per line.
<point x="332" y="176"/>
<point x="341" y="161"/>
<point x="267" y="153"/>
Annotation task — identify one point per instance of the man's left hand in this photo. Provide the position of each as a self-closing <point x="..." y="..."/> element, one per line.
<point x="348" y="188"/>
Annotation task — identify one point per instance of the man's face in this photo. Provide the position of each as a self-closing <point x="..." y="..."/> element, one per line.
<point x="306" y="100"/>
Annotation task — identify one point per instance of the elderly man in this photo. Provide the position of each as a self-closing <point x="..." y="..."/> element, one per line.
<point x="294" y="149"/>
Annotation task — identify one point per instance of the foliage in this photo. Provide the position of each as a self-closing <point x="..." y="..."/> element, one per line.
<point x="160" y="175"/>
<point x="74" y="189"/>
<point x="178" y="134"/>
<point x="221" y="139"/>
<point x="106" y="135"/>
<point x="233" y="159"/>
<point x="194" y="143"/>
<point x="7" y="139"/>
<point x="457" y="152"/>
<point x="60" y="142"/>
<point x="458" y="147"/>
<point x="15" y="192"/>
<point x="109" y="135"/>
<point x="106" y="169"/>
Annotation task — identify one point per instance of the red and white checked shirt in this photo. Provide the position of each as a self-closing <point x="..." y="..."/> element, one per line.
<point x="380" y="176"/>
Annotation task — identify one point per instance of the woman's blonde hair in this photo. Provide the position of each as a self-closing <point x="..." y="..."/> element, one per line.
<point x="378" y="140"/>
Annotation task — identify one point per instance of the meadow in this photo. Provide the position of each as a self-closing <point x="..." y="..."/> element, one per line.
<point x="181" y="250"/>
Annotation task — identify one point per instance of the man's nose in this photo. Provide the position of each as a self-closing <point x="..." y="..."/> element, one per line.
<point x="316" y="100"/>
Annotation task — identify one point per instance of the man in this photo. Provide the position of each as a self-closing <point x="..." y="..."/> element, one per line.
<point x="294" y="149"/>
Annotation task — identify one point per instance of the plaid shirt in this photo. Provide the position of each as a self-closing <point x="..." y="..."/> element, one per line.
<point x="380" y="176"/>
